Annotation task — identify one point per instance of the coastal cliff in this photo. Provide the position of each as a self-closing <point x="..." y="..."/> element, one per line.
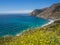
<point x="37" y="11"/>
<point x="52" y="12"/>
<point x="46" y="35"/>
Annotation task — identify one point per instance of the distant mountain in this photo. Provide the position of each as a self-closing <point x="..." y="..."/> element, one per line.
<point x="37" y="11"/>
<point x="52" y="12"/>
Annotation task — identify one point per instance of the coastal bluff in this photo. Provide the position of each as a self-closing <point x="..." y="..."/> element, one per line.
<point x="52" y="12"/>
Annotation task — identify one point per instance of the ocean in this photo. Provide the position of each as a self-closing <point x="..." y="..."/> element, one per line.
<point x="12" y="24"/>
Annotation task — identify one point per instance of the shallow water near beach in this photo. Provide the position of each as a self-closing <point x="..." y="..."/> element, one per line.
<point x="12" y="24"/>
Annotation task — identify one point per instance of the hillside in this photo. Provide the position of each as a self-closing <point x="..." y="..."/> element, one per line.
<point x="37" y="11"/>
<point x="52" y="12"/>
<point x="48" y="35"/>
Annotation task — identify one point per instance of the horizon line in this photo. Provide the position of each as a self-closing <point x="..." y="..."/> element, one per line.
<point x="15" y="11"/>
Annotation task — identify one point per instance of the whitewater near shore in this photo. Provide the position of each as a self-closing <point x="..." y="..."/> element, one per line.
<point x="50" y="21"/>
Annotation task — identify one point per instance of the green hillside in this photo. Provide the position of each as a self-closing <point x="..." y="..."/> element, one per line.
<point x="49" y="35"/>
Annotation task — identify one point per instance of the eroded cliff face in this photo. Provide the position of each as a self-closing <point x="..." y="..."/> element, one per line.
<point x="52" y="12"/>
<point x="37" y="11"/>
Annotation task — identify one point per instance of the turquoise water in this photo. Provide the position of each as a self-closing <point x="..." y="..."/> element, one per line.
<point x="12" y="24"/>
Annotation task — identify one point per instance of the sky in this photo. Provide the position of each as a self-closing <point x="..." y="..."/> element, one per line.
<point x="20" y="6"/>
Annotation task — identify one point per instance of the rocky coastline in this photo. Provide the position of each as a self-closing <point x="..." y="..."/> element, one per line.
<point x="52" y="12"/>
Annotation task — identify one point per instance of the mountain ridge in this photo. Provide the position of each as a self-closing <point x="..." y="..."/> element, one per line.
<point x="52" y="12"/>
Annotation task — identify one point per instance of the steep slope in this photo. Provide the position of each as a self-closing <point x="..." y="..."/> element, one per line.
<point x="52" y="12"/>
<point x="49" y="35"/>
<point x="37" y="11"/>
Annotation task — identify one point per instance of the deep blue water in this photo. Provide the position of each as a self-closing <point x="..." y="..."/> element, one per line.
<point x="11" y="24"/>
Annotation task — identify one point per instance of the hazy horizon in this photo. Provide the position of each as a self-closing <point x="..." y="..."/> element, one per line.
<point x="15" y="11"/>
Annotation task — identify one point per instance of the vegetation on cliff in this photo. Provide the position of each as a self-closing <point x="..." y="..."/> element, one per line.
<point x="37" y="11"/>
<point x="52" y="12"/>
<point x="48" y="35"/>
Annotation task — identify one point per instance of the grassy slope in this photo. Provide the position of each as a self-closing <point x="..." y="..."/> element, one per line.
<point x="49" y="35"/>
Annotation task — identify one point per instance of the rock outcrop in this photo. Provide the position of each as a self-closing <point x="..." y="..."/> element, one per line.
<point x="52" y="12"/>
<point x="37" y="11"/>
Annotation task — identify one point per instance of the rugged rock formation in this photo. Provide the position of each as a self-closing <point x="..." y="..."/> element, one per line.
<point x="37" y="11"/>
<point x="52" y="12"/>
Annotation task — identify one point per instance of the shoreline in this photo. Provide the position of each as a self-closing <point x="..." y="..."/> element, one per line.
<point x="50" y="21"/>
<point x="18" y="34"/>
